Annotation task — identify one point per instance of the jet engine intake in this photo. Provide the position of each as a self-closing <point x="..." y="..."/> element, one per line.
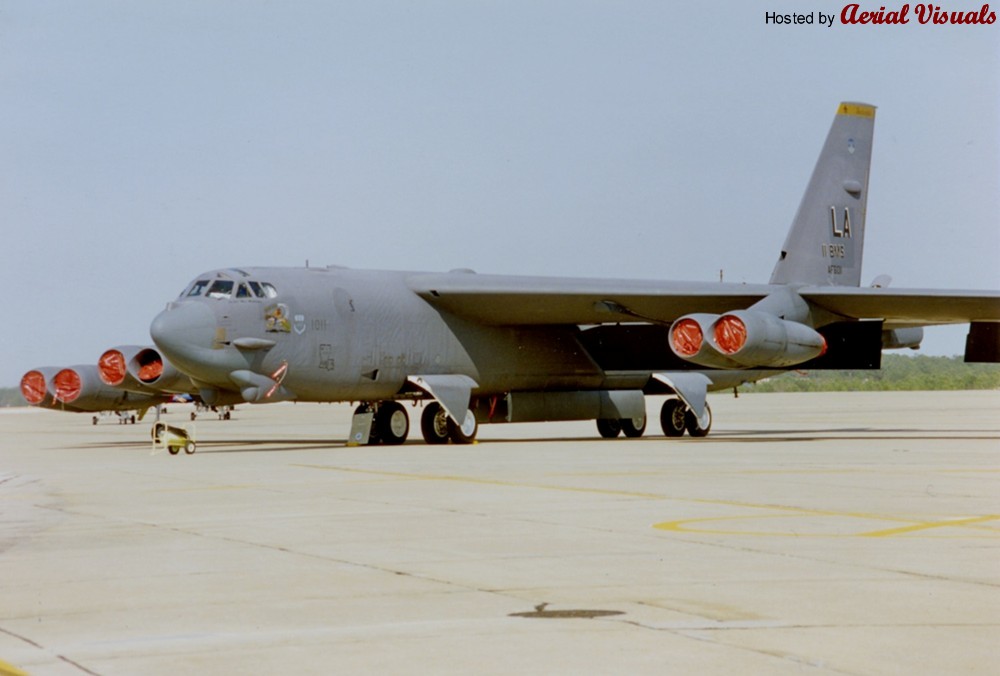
<point x="35" y="386"/>
<point x="112" y="366"/>
<point x="688" y="339"/>
<point x="744" y="339"/>
<point x="137" y="368"/>
<point x="150" y="368"/>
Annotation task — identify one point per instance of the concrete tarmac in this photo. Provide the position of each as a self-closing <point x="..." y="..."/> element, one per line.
<point x="814" y="533"/>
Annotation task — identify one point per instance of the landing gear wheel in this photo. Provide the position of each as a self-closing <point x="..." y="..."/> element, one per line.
<point x="173" y="450"/>
<point x="189" y="448"/>
<point x="466" y="432"/>
<point x="434" y="424"/>
<point x="693" y="426"/>
<point x="672" y="418"/>
<point x="633" y="427"/>
<point x="609" y="428"/>
<point x="392" y="423"/>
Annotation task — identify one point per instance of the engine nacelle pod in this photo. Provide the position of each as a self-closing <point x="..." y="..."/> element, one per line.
<point x="758" y="339"/>
<point x="82" y="387"/>
<point x="688" y="341"/>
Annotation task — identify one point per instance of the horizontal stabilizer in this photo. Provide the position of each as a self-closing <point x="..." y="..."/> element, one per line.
<point x="901" y="307"/>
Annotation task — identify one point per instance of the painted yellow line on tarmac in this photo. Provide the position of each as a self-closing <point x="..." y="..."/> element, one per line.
<point x="931" y="524"/>
<point x="187" y="489"/>
<point x="489" y="482"/>
<point x="681" y="525"/>
<point x="10" y="670"/>
<point x="815" y="529"/>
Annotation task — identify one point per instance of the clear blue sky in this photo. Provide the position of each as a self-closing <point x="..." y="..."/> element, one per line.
<point x="144" y="142"/>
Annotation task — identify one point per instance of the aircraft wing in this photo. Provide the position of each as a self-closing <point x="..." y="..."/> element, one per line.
<point x="504" y="300"/>
<point x="902" y="307"/>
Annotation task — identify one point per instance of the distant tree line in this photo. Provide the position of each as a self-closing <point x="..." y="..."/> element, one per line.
<point x="898" y="372"/>
<point x="11" y="396"/>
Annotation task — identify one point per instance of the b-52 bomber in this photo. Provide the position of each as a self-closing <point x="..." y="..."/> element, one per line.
<point x="491" y="349"/>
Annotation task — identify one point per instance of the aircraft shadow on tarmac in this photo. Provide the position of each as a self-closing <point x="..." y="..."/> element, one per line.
<point x="229" y="446"/>
<point x="749" y="436"/>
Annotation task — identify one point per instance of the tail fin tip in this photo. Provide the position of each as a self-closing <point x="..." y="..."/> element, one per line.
<point x="856" y="109"/>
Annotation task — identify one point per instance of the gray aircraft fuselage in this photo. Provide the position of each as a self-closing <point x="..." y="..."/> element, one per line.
<point x="357" y="335"/>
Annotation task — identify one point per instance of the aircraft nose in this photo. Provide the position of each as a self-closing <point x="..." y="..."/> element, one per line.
<point x="181" y="331"/>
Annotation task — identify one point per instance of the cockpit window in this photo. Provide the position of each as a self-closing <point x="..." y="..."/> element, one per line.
<point x="221" y="288"/>
<point x="269" y="290"/>
<point x="197" y="287"/>
<point x="242" y="291"/>
<point x="257" y="291"/>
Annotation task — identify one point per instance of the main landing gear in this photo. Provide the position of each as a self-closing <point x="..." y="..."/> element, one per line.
<point x="387" y="422"/>
<point x="438" y="428"/>
<point x="224" y="412"/>
<point x="630" y="427"/>
<point x="390" y="425"/>
<point x="675" y="419"/>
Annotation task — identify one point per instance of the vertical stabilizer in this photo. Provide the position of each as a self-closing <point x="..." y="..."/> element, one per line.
<point x="826" y="241"/>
